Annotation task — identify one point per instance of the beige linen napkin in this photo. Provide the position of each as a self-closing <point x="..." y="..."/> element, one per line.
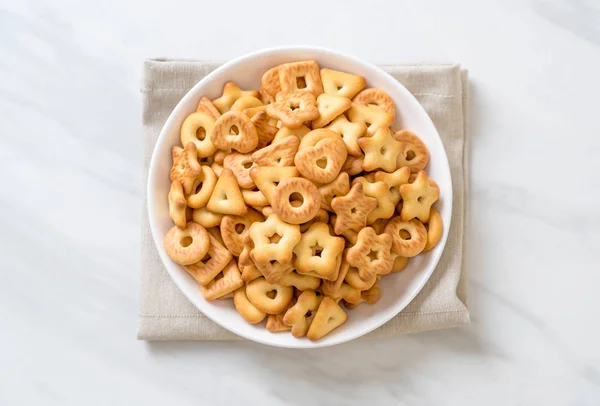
<point x="165" y="314"/>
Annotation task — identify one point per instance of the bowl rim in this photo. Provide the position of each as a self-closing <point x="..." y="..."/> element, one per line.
<point x="152" y="175"/>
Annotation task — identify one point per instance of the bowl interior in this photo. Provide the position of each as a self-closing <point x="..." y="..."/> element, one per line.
<point x="397" y="290"/>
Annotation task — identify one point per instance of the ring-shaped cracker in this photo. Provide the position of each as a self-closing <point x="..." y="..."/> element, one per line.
<point x="414" y="152"/>
<point x="224" y="136"/>
<point x="197" y="128"/>
<point x="378" y="98"/>
<point x="296" y="187"/>
<point x="408" y="237"/>
<point x="187" y="246"/>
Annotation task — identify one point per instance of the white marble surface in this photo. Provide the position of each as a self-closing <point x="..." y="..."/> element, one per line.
<point x="70" y="159"/>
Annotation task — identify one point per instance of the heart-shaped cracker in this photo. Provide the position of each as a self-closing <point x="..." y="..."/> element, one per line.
<point x="323" y="162"/>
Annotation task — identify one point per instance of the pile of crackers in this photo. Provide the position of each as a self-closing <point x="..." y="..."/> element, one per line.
<point x="296" y="199"/>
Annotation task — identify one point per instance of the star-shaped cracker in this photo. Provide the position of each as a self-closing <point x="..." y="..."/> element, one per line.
<point x="350" y="133"/>
<point x="186" y="167"/>
<point x="371" y="254"/>
<point x="352" y="210"/>
<point x="381" y="151"/>
<point x="381" y="192"/>
<point x="418" y="198"/>
<point x="266" y="249"/>
<point x="372" y="116"/>
<point x="231" y="92"/>
<point x="394" y="180"/>
<point x="319" y="253"/>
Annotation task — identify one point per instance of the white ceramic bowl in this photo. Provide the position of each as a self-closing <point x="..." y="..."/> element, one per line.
<point x="397" y="290"/>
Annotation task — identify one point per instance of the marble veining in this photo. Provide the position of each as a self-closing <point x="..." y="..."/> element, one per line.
<point x="70" y="208"/>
